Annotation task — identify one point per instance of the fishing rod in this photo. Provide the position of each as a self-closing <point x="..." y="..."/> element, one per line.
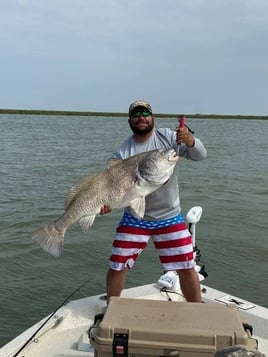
<point x="50" y="316"/>
<point x="182" y="123"/>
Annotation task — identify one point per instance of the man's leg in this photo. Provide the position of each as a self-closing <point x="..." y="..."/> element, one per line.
<point x="115" y="282"/>
<point x="190" y="285"/>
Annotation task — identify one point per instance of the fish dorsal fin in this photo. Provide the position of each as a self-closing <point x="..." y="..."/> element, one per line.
<point x="86" y="222"/>
<point x="75" y="189"/>
<point x="113" y="161"/>
<point x="137" y="207"/>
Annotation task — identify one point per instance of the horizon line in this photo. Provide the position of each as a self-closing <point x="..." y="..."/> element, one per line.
<point x="123" y="114"/>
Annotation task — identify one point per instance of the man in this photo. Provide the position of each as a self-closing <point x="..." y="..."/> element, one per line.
<point x="163" y="220"/>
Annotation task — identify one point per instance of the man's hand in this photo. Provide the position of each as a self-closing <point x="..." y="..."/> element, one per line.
<point x="105" y="209"/>
<point x="184" y="136"/>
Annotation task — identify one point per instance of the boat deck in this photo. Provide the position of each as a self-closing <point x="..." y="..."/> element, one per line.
<point x="65" y="335"/>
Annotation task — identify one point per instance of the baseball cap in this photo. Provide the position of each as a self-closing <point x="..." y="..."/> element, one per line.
<point x="140" y="103"/>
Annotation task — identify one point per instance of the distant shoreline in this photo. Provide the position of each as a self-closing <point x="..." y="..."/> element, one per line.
<point x="109" y="114"/>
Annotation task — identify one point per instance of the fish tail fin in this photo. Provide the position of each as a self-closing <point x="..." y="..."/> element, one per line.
<point x="50" y="239"/>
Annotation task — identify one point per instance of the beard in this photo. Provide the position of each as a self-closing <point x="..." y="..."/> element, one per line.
<point x="141" y="131"/>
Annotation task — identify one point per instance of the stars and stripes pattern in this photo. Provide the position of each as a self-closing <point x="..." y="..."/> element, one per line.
<point x="171" y="238"/>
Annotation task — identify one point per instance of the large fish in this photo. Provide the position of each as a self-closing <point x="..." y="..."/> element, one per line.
<point x="124" y="183"/>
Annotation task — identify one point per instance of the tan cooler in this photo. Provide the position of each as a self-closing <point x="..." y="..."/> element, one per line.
<point x="135" y="327"/>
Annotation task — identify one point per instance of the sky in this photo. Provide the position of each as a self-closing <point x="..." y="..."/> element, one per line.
<point x="183" y="56"/>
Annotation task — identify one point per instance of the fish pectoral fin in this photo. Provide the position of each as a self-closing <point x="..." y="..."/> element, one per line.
<point x="134" y="193"/>
<point x="137" y="207"/>
<point x="86" y="222"/>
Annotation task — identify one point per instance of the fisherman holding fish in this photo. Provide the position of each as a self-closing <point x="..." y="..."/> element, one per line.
<point x="141" y="179"/>
<point x="162" y="220"/>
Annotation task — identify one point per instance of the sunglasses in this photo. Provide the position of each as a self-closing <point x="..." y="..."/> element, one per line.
<point x="138" y="114"/>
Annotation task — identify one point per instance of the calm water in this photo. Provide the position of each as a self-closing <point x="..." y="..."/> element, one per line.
<point x="41" y="157"/>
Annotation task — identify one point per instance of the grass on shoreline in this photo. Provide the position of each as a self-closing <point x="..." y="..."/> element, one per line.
<point x="109" y="114"/>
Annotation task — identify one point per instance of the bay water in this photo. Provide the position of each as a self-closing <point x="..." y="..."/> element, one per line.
<point x="42" y="156"/>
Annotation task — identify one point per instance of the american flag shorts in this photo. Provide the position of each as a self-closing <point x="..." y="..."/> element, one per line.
<point x="171" y="239"/>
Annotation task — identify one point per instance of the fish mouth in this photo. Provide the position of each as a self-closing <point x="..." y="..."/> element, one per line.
<point x="173" y="156"/>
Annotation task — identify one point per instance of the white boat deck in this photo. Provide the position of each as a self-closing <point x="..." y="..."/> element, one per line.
<point x="65" y="335"/>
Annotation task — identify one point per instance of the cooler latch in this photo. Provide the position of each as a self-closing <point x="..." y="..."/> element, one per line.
<point x="120" y="345"/>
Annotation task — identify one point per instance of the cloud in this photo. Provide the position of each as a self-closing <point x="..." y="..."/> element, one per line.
<point x="202" y="55"/>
